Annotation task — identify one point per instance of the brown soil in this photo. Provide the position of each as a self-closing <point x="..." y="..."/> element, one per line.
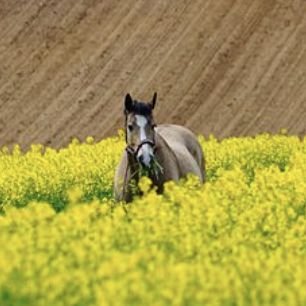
<point x="227" y="67"/>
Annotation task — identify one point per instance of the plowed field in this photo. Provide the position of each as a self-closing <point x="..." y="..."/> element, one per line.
<point x="228" y="67"/>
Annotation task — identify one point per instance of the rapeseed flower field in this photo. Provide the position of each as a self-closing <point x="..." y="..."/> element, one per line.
<point x="240" y="239"/>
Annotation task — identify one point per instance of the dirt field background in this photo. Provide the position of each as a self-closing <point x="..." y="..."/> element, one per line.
<point x="227" y="67"/>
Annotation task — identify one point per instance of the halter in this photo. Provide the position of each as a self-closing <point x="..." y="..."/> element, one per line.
<point x="134" y="152"/>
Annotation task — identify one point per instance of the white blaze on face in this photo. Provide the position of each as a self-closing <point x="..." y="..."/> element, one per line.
<point x="146" y="150"/>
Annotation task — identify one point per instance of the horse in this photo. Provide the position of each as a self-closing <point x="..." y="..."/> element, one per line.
<point x="162" y="152"/>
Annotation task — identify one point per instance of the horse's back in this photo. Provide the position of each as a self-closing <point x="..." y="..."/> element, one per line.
<point x="180" y="137"/>
<point x="186" y="147"/>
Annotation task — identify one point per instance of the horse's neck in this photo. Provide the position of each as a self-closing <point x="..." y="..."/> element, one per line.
<point x="163" y="151"/>
<point x="167" y="158"/>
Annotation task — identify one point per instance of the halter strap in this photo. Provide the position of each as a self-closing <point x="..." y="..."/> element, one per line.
<point x="134" y="152"/>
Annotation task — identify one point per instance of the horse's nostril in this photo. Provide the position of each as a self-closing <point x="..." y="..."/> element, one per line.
<point x="140" y="158"/>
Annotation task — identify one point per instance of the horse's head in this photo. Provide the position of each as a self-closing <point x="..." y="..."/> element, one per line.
<point x="140" y="130"/>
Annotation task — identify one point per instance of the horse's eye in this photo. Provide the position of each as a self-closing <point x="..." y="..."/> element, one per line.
<point x="130" y="127"/>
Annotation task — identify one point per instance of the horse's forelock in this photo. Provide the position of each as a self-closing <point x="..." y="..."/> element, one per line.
<point x="141" y="108"/>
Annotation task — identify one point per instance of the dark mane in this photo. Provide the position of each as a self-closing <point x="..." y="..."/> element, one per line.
<point x="141" y="108"/>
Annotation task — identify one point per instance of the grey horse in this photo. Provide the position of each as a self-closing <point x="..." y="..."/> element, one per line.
<point x="162" y="152"/>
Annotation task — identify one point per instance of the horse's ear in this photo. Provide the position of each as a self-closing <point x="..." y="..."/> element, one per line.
<point x="154" y="100"/>
<point x="128" y="103"/>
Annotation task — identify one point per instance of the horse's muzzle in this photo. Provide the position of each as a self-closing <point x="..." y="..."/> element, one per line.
<point x="146" y="158"/>
<point x="146" y="162"/>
